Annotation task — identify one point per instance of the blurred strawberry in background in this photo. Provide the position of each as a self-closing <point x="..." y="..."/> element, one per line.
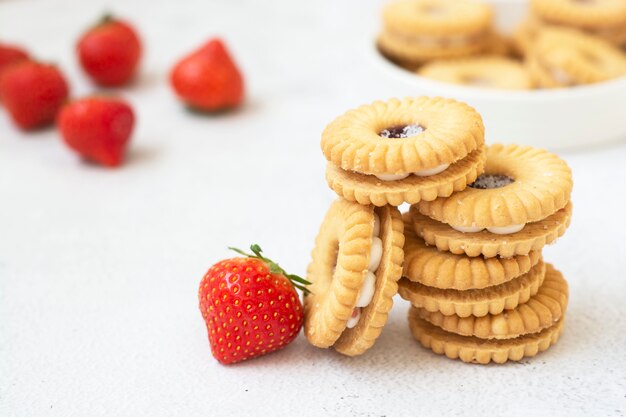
<point x="33" y="93"/>
<point x="110" y="52"/>
<point x="208" y="79"/>
<point x="98" y="128"/>
<point x="10" y="54"/>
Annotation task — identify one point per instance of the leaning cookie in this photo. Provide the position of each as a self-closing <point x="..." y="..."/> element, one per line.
<point x="477" y="303"/>
<point x="404" y="150"/>
<point x="564" y="57"/>
<point x="420" y="30"/>
<point x="494" y="72"/>
<point x="474" y="350"/>
<point x="355" y="266"/>
<point x="523" y="194"/>
<point x="541" y="311"/>
<point x="604" y="19"/>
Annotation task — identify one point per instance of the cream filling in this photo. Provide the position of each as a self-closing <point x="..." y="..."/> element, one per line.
<point x="421" y="173"/>
<point x="369" y="284"/>
<point x="502" y="230"/>
<point x="354" y="318"/>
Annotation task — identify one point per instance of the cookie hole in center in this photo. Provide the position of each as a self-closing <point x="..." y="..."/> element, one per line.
<point x="491" y="181"/>
<point x="401" y="131"/>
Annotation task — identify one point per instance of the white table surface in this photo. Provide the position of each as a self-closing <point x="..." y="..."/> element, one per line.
<point x="99" y="268"/>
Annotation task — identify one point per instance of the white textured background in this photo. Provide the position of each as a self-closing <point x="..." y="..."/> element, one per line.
<point x="99" y="268"/>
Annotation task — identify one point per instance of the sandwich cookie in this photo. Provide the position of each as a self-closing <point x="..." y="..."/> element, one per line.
<point x="519" y="204"/>
<point x="542" y="310"/>
<point x="601" y="18"/>
<point x="474" y="350"/>
<point x="355" y="266"/>
<point x="482" y="72"/>
<point x="433" y="268"/>
<point x="477" y="303"/>
<point x="564" y="57"/>
<point x="415" y="31"/>
<point x="396" y="151"/>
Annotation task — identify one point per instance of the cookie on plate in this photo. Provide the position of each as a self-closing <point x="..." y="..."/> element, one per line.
<point x="494" y="72"/>
<point x="519" y="204"/>
<point x="355" y="266"/>
<point x="565" y="57"/>
<point x="415" y="31"/>
<point x="602" y="18"/>
<point x="396" y="151"/>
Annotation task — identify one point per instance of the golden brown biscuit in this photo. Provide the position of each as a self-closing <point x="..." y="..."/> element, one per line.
<point x="540" y="312"/>
<point x="478" y="303"/>
<point x="564" y="57"/>
<point x="420" y="30"/>
<point x="439" y="140"/>
<point x="368" y="189"/>
<point x="520" y="185"/>
<point x="603" y="18"/>
<point x="494" y="72"/>
<point x="401" y="49"/>
<point x="474" y="350"/>
<point x="434" y="268"/>
<point x="339" y="270"/>
<point x="533" y="237"/>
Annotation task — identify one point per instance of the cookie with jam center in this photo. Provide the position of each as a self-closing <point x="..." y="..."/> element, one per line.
<point x="520" y="185"/>
<point x="397" y="151"/>
<point x="492" y="72"/>
<point x="339" y="269"/>
<point x="420" y="30"/>
<point x="565" y="57"/>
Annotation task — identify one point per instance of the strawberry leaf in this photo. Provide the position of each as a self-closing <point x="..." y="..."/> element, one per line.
<point x="297" y="281"/>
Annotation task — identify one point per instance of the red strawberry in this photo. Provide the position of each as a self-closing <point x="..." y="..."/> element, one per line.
<point x="33" y="93"/>
<point x="250" y="306"/>
<point x="109" y="52"/>
<point x="98" y="128"/>
<point x="208" y="79"/>
<point x="10" y="54"/>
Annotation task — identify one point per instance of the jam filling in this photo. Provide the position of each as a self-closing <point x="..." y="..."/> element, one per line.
<point x="401" y="132"/>
<point x="490" y="181"/>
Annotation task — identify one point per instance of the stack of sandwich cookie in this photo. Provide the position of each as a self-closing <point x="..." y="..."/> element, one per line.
<point x="473" y="267"/>
<point x="415" y="31"/>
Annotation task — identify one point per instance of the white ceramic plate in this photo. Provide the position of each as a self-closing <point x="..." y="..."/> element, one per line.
<point x="555" y="119"/>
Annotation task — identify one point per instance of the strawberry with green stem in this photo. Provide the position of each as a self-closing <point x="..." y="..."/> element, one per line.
<point x="250" y="306"/>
